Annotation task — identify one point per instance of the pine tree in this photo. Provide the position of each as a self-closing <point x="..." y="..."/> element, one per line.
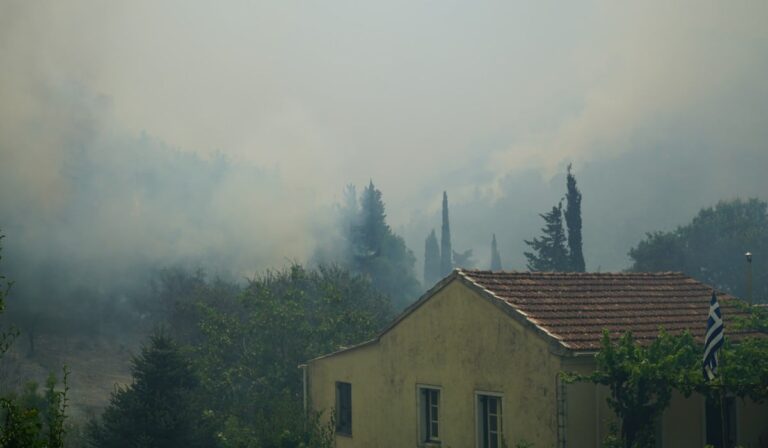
<point x="495" y="256"/>
<point x="431" y="260"/>
<point x="446" y="262"/>
<point x="573" y="222"/>
<point x="379" y="253"/>
<point x="550" y="253"/>
<point x="372" y="228"/>
<point x="157" y="410"/>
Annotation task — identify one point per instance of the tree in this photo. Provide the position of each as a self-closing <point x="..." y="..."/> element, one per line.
<point x="446" y="263"/>
<point x="379" y="253"/>
<point x="711" y="247"/>
<point x="641" y="379"/>
<point x="31" y="420"/>
<point x="495" y="256"/>
<point x="249" y="357"/>
<point x="372" y="228"/>
<point x="549" y="251"/>
<point x="157" y="410"/>
<point x="573" y="222"/>
<point x="431" y="260"/>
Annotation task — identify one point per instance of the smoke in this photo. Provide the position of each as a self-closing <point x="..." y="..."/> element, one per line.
<point x="145" y="134"/>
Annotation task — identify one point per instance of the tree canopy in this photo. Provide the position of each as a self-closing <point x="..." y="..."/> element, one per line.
<point x="248" y="358"/>
<point x="549" y="252"/>
<point x="711" y="247"/>
<point x="554" y="250"/>
<point x="158" y="408"/>
<point x="446" y="251"/>
<point x="374" y="250"/>
<point x="495" y="256"/>
<point x="573" y="223"/>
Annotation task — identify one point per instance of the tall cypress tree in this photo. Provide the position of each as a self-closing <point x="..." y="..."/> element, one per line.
<point x="431" y="260"/>
<point x="573" y="223"/>
<point x="549" y="251"/>
<point x="495" y="256"/>
<point x="446" y="252"/>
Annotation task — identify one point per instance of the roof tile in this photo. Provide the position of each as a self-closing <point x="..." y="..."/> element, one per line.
<point x="576" y="307"/>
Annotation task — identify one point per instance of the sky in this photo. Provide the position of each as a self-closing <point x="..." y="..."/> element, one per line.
<point x="152" y="132"/>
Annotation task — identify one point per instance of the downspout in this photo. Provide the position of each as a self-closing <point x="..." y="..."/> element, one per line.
<point x="303" y="368"/>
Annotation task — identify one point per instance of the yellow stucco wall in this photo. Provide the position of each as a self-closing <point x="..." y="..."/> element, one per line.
<point x="682" y="425"/>
<point x="461" y="343"/>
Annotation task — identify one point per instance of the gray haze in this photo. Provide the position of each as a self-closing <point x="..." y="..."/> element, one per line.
<point x="221" y="133"/>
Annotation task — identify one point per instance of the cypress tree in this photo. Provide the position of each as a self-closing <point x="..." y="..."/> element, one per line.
<point x="573" y="223"/>
<point x="431" y="260"/>
<point x="495" y="256"/>
<point x="446" y="252"/>
<point x="549" y="251"/>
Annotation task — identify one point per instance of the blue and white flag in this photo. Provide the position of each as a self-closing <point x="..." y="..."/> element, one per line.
<point x="714" y="339"/>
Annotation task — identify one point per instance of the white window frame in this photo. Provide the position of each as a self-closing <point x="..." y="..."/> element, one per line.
<point x="423" y="435"/>
<point x="479" y="416"/>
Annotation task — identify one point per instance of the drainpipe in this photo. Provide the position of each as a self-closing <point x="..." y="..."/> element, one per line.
<point x="749" y="277"/>
<point x="303" y="368"/>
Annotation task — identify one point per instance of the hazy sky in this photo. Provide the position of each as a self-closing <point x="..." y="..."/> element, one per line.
<point x="661" y="106"/>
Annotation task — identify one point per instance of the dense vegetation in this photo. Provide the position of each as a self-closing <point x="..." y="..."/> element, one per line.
<point x="555" y="250"/>
<point x="223" y="369"/>
<point x="711" y="247"/>
<point x="234" y="380"/>
<point x="369" y="247"/>
<point x="30" y="419"/>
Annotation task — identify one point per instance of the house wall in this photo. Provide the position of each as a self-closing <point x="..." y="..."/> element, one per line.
<point x="460" y="342"/>
<point x="682" y="425"/>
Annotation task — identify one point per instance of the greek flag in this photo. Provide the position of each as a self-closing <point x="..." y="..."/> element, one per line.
<point x="714" y="339"/>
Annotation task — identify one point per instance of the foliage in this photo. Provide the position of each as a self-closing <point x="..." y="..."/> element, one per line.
<point x="158" y="409"/>
<point x="31" y="420"/>
<point x="248" y="358"/>
<point x="34" y="420"/>
<point x="711" y="247"/>
<point x="549" y="251"/>
<point x="431" y="260"/>
<point x="744" y="365"/>
<point x="641" y="379"/>
<point x="377" y="252"/>
<point x="446" y="252"/>
<point x="573" y="223"/>
<point x="175" y="298"/>
<point x="495" y="256"/>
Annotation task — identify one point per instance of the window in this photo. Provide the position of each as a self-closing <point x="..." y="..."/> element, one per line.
<point x="489" y="421"/>
<point x="429" y="414"/>
<point x="344" y="408"/>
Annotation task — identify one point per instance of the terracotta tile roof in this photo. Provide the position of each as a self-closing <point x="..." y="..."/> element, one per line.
<point x="574" y="308"/>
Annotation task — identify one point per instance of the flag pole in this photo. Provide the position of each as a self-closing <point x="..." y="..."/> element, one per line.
<point x="723" y="426"/>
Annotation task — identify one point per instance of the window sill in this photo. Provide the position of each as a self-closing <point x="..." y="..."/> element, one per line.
<point x="430" y="444"/>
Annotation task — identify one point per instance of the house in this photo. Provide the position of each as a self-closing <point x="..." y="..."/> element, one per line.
<point x="478" y="359"/>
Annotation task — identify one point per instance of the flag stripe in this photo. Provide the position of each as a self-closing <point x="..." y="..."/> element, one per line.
<point x="713" y="339"/>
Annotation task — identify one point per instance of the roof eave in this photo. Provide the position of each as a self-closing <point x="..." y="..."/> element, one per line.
<point x="556" y="345"/>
